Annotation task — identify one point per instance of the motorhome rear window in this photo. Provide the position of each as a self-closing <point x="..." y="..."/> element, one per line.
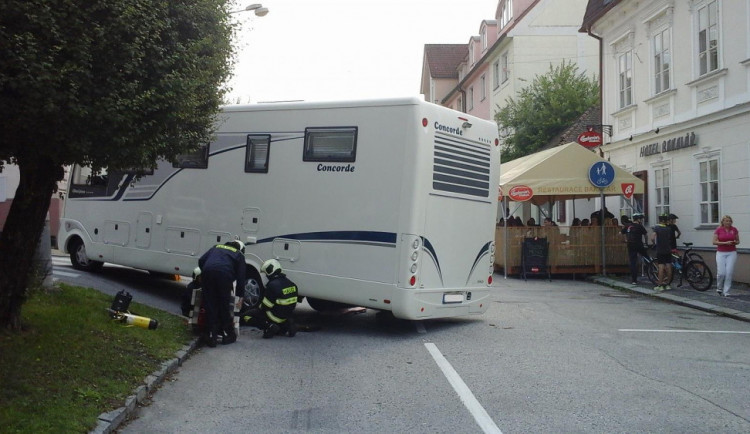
<point x="330" y="144"/>
<point x="197" y="159"/>
<point x="257" y="152"/>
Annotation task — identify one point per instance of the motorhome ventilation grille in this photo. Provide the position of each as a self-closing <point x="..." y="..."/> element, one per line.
<point x="461" y="166"/>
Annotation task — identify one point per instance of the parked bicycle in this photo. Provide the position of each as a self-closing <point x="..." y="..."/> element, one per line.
<point x="690" y="266"/>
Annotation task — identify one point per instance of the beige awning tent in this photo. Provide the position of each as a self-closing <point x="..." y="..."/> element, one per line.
<point x="561" y="173"/>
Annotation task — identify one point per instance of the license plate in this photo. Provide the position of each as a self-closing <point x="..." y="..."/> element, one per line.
<point x="453" y="298"/>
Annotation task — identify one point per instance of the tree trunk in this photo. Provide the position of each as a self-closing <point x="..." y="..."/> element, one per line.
<point x="23" y="227"/>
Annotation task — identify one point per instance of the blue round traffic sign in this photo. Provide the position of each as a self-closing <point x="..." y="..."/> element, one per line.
<point x="601" y="174"/>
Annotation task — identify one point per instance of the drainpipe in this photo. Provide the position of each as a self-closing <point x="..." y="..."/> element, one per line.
<point x="463" y="100"/>
<point x="601" y="70"/>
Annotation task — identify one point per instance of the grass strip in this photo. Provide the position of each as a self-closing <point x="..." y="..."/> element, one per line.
<point x="72" y="361"/>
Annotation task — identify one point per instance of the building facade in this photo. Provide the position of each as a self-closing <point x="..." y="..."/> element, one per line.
<point x="524" y="39"/>
<point x="676" y="92"/>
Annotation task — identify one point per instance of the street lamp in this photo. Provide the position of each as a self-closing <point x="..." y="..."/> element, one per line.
<point x="258" y="8"/>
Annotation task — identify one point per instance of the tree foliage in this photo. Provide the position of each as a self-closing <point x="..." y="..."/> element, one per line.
<point x="545" y="108"/>
<point x="110" y="83"/>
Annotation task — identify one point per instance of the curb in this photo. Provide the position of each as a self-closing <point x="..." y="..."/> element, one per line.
<point x="706" y="307"/>
<point x="109" y="421"/>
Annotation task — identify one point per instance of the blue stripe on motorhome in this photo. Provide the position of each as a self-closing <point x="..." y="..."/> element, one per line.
<point x="358" y="236"/>
<point x="483" y="251"/>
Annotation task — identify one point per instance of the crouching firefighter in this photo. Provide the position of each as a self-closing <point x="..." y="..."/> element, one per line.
<point x="274" y="314"/>
<point x="220" y="266"/>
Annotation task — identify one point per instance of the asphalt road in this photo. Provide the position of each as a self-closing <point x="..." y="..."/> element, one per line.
<point x="561" y="356"/>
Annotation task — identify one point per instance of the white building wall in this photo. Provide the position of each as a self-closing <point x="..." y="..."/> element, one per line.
<point x="714" y="106"/>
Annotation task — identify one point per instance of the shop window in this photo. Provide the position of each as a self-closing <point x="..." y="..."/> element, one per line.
<point x="625" y="79"/>
<point x="708" y="37"/>
<point x="661" y="190"/>
<point x="709" y="191"/>
<point x="662" y="61"/>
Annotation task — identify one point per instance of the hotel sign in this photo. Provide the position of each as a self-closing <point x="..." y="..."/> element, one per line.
<point x="669" y="145"/>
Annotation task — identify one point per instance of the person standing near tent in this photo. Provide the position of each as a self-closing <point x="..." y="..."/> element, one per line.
<point x="675" y="230"/>
<point x="598" y="215"/>
<point x="635" y="235"/>
<point x="726" y="238"/>
<point x="662" y="237"/>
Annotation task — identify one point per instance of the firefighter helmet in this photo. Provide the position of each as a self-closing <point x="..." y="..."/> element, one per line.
<point x="271" y="267"/>
<point x="237" y="244"/>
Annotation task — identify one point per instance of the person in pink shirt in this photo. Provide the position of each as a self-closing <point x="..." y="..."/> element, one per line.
<point x="726" y="238"/>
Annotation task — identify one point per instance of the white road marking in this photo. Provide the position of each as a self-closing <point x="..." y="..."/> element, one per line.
<point x="683" y="331"/>
<point x="64" y="273"/>
<point x="483" y="419"/>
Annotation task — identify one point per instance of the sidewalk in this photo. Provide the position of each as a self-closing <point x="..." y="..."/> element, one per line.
<point x="736" y="305"/>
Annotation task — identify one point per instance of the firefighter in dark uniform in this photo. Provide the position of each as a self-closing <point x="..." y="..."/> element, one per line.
<point x="220" y="266"/>
<point x="274" y="314"/>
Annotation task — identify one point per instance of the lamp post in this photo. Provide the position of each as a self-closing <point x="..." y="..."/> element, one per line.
<point x="258" y="8"/>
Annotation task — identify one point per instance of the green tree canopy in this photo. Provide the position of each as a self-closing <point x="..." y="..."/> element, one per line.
<point x="545" y="108"/>
<point x="115" y="83"/>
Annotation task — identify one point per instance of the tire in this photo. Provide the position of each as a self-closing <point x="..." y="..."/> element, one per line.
<point x="254" y="292"/>
<point x="78" y="257"/>
<point x="325" y="305"/>
<point x="698" y="275"/>
<point x="652" y="272"/>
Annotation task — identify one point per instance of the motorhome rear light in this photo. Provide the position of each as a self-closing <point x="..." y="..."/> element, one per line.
<point x="414" y="256"/>
<point x="413" y="268"/>
<point x="497" y="142"/>
<point x="421" y="310"/>
<point x="489" y="280"/>
<point x="425" y="122"/>
<point x="463" y="119"/>
<point x="413" y="280"/>
<point x="386" y="301"/>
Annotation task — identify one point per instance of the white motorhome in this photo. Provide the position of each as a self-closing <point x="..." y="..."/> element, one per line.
<point x="388" y="204"/>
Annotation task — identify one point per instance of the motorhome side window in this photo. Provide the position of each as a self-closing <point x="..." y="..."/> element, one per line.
<point x="87" y="183"/>
<point x="338" y="144"/>
<point x="197" y="159"/>
<point x="257" y="152"/>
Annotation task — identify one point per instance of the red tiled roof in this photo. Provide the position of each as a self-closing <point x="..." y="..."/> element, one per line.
<point x="443" y="59"/>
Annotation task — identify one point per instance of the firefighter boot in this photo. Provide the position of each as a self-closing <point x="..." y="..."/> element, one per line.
<point x="271" y="331"/>
<point x="291" y="328"/>
<point x="229" y="337"/>
<point x="211" y="339"/>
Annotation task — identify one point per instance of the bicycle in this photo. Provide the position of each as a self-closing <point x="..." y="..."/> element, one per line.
<point x="690" y="266"/>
